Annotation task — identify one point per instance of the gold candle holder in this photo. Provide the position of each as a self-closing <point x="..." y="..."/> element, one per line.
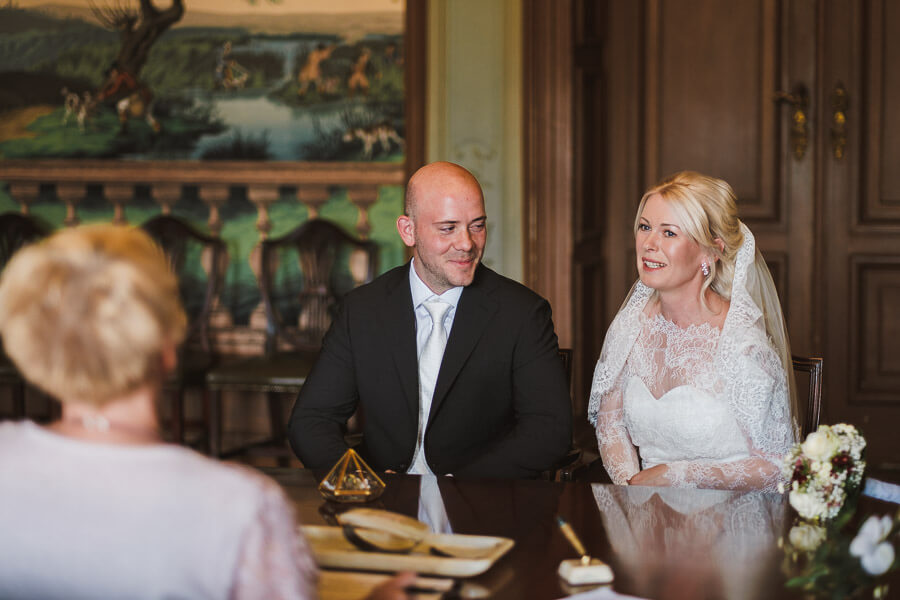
<point x="351" y="480"/>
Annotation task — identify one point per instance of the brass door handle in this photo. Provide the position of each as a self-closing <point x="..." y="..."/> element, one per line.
<point x="840" y="101"/>
<point x="798" y="99"/>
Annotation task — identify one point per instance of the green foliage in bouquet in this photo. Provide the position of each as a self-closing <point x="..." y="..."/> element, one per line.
<point x="827" y="561"/>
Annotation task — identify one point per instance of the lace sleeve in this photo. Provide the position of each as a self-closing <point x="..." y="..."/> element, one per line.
<point x="616" y="448"/>
<point x="754" y="473"/>
<point x="761" y="401"/>
<point x="275" y="560"/>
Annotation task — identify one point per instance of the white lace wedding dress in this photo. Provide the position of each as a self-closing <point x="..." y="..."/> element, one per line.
<point x="712" y="405"/>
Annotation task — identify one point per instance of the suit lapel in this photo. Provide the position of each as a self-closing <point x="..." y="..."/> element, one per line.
<point x="473" y="313"/>
<point x="400" y="327"/>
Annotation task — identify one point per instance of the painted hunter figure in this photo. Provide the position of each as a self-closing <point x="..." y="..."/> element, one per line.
<point x="132" y="98"/>
<point x="311" y="72"/>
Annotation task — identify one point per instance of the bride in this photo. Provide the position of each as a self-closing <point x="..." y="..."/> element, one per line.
<point x="692" y="385"/>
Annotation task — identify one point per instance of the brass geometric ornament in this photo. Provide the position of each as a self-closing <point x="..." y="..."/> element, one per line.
<point x="351" y="480"/>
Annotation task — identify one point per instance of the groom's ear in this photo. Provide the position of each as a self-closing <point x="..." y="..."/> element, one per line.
<point x="407" y="230"/>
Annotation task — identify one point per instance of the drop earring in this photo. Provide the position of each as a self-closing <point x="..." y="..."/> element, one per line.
<point x="704" y="268"/>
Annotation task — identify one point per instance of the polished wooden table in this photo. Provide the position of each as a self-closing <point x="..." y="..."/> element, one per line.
<point x="661" y="543"/>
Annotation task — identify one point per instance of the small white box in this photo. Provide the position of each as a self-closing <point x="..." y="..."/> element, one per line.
<point x="576" y="572"/>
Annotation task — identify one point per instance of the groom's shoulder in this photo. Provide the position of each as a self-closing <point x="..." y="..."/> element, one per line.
<point x="503" y="288"/>
<point x="385" y="284"/>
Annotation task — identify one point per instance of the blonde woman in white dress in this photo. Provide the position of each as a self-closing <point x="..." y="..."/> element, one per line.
<point x="693" y="387"/>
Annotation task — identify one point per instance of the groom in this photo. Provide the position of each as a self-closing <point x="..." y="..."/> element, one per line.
<point x="455" y="367"/>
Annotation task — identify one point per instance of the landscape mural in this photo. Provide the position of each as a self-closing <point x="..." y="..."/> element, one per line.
<point x="285" y="80"/>
<point x="207" y="80"/>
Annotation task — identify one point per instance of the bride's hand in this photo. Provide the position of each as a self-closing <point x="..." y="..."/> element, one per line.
<point x="655" y="476"/>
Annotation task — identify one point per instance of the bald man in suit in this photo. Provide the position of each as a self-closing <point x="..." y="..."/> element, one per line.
<point x="499" y="406"/>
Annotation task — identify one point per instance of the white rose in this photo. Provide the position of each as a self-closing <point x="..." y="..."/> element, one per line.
<point x="805" y="536"/>
<point x="880" y="560"/>
<point x="875" y="554"/>
<point x="809" y="506"/>
<point x="820" y="445"/>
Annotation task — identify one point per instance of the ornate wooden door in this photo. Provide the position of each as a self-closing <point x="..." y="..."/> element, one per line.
<point x="858" y="178"/>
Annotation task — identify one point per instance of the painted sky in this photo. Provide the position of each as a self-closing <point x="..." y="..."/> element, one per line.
<point x="262" y="7"/>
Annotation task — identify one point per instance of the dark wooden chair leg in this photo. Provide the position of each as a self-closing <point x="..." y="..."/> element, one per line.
<point x="214" y="424"/>
<point x="278" y="429"/>
<point x="18" y="394"/>
<point x="55" y="409"/>
<point x="205" y="418"/>
<point x="276" y="418"/>
<point x="178" y="415"/>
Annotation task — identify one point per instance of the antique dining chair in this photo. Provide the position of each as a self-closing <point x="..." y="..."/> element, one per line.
<point x="197" y="260"/>
<point x="16" y="231"/>
<point x="303" y="274"/>
<point x="813" y="368"/>
<point x="565" y="468"/>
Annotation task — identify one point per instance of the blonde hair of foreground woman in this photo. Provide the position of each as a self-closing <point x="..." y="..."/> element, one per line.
<point x="707" y="210"/>
<point x="87" y="313"/>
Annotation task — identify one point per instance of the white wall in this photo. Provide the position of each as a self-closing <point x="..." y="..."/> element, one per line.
<point x="474" y="110"/>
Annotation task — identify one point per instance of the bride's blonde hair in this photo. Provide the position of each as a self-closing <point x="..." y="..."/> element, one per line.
<point x="706" y="208"/>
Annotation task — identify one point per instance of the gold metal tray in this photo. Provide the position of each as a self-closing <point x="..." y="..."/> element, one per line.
<point x="332" y="549"/>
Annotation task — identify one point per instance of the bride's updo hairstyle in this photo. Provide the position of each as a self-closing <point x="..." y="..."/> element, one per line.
<point x="706" y="208"/>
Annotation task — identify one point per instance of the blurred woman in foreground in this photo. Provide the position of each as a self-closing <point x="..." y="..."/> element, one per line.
<point x="95" y="505"/>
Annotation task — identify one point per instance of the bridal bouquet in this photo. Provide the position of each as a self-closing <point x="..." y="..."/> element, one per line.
<point x="823" y="470"/>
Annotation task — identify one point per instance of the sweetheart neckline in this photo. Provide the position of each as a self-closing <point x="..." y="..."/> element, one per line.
<point x="667" y="392"/>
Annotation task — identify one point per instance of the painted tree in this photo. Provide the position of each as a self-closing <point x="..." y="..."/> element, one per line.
<point x="139" y="27"/>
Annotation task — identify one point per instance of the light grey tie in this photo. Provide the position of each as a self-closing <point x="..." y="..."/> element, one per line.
<point x="429" y="366"/>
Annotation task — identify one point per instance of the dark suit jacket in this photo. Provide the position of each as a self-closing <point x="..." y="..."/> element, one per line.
<point x="501" y="404"/>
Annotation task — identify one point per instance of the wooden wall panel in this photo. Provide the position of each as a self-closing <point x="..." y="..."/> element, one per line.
<point x="590" y="96"/>
<point x="880" y="115"/>
<point x="548" y="157"/>
<point x="415" y="80"/>
<point x="710" y="81"/>
<point x="590" y="159"/>
<point x="875" y="329"/>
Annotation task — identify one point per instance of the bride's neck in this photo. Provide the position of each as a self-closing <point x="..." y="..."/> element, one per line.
<point x="128" y="419"/>
<point x="687" y="309"/>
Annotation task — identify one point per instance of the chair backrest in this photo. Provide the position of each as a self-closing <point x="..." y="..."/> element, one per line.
<point x="813" y="368"/>
<point x="565" y="354"/>
<point x="303" y="275"/>
<point x="198" y="261"/>
<point x="17" y="230"/>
